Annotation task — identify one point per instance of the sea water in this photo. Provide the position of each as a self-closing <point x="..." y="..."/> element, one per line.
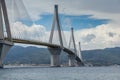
<point x="60" y="73"/>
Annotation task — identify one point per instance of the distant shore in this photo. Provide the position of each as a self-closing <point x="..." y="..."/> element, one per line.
<point x="26" y="65"/>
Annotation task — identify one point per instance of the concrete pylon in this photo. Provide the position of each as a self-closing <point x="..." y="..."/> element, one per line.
<point x="56" y="23"/>
<point x="5" y="43"/>
<point x="55" y="56"/>
<point x="72" y="40"/>
<point x="72" y="57"/>
<point x="71" y="61"/>
<point x="79" y="58"/>
<point x="55" y="52"/>
<point x="4" y="48"/>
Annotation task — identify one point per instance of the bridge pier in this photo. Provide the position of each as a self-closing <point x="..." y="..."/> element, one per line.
<point x="4" y="48"/>
<point x="55" y="56"/>
<point x="71" y="61"/>
<point x="1" y="65"/>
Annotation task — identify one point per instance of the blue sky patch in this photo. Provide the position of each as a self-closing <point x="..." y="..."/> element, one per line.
<point x="67" y="21"/>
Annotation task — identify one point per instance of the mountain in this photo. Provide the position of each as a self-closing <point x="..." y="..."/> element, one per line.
<point x="30" y="55"/>
<point x="108" y="56"/>
<point x="35" y="55"/>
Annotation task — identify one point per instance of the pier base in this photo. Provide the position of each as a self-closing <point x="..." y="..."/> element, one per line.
<point x="4" y="48"/>
<point x="71" y="61"/>
<point x="1" y="65"/>
<point x="55" y="56"/>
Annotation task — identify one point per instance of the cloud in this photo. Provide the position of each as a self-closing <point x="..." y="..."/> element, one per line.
<point x="34" y="32"/>
<point x="106" y="6"/>
<point x="102" y="36"/>
<point x="98" y="38"/>
<point x="111" y="34"/>
<point x="105" y="9"/>
<point x="89" y="37"/>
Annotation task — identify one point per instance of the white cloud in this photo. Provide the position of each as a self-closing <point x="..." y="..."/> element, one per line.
<point x="93" y="38"/>
<point x="101" y="39"/>
<point x="34" y="32"/>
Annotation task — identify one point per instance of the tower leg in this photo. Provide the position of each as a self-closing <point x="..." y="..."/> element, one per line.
<point x="79" y="62"/>
<point x="55" y="56"/>
<point x="4" y="48"/>
<point x="71" y="61"/>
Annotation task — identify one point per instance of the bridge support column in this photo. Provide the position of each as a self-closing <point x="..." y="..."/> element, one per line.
<point x="55" y="56"/>
<point x="4" y="48"/>
<point x="1" y="65"/>
<point x="71" y="61"/>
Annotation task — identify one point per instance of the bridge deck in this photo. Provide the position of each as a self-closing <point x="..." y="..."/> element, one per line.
<point x="45" y="44"/>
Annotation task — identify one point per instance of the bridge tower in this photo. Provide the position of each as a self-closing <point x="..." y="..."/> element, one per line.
<point x="80" y="61"/>
<point x="72" y="57"/>
<point x="5" y="43"/>
<point x="79" y="54"/>
<point x="55" y="52"/>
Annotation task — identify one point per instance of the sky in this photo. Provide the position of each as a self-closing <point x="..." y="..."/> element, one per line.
<point x="95" y="22"/>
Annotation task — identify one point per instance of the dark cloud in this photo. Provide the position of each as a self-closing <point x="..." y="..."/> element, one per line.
<point x="89" y="38"/>
<point x="111" y="6"/>
<point x="111" y="34"/>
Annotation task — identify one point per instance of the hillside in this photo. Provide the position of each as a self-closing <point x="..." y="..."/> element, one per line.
<point x="108" y="56"/>
<point x="34" y="55"/>
<point x="30" y="55"/>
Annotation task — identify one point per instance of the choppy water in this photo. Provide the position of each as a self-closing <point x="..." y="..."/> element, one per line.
<point x="62" y="73"/>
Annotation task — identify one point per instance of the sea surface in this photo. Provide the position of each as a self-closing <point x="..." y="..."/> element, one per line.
<point x="60" y="73"/>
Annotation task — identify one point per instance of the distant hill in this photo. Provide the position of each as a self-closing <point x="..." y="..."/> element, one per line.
<point x="34" y="55"/>
<point x="108" y="56"/>
<point x="30" y="55"/>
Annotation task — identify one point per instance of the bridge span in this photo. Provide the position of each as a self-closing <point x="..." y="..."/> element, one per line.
<point x="49" y="45"/>
<point x="42" y="44"/>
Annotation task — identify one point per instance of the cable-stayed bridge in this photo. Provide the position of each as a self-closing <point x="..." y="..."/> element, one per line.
<point x="56" y="43"/>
